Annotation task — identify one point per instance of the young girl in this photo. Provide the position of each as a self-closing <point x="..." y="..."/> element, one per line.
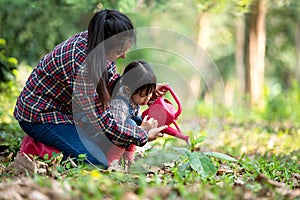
<point x="132" y="90"/>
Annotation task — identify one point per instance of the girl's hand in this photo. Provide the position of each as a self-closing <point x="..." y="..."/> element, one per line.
<point x="155" y="133"/>
<point x="149" y="123"/>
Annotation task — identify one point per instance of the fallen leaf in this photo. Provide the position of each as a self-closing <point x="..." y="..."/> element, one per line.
<point x="155" y="192"/>
<point x="239" y="181"/>
<point x="281" y="188"/>
<point x="37" y="195"/>
<point x="22" y="165"/>
<point x="26" y="188"/>
<point x="224" y="169"/>
<point x="296" y="176"/>
<point x="131" y="196"/>
<point x="264" y="180"/>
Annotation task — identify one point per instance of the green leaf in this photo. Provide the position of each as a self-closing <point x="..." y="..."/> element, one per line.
<point x="180" y="150"/>
<point x="46" y="156"/>
<point x="202" y="164"/>
<point x="137" y="168"/>
<point x="59" y="168"/>
<point x="182" y="169"/>
<point x="220" y="156"/>
<point x="199" y="140"/>
<point x="2" y="42"/>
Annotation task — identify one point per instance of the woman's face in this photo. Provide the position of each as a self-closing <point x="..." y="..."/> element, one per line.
<point x="141" y="98"/>
<point x="119" y="52"/>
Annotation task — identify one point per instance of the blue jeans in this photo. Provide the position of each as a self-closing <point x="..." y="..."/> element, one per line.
<point x="135" y="120"/>
<point x="68" y="138"/>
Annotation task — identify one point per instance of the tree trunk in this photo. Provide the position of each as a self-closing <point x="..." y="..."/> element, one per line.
<point x="203" y="34"/>
<point x="297" y="70"/>
<point x="256" y="52"/>
<point x="203" y="42"/>
<point x="239" y="56"/>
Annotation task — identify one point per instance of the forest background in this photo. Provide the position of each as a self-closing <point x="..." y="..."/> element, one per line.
<point x="255" y="48"/>
<point x="252" y="45"/>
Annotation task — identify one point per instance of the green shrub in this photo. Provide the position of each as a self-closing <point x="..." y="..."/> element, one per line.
<point x="10" y="131"/>
<point x="284" y="105"/>
<point x="7" y="64"/>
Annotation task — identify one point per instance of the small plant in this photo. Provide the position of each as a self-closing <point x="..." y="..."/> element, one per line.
<point x="200" y="162"/>
<point x="185" y="158"/>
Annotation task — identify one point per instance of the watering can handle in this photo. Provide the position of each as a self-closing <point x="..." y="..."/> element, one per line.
<point x="175" y="98"/>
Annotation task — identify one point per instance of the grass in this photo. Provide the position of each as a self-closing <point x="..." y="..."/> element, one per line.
<point x="261" y="171"/>
<point x="267" y="165"/>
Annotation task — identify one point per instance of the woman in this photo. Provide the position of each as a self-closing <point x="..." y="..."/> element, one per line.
<point x="71" y="83"/>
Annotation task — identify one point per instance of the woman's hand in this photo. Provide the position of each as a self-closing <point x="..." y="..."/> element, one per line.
<point x="155" y="133"/>
<point x="159" y="92"/>
<point x="149" y="123"/>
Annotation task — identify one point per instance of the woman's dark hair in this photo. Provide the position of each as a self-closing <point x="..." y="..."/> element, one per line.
<point x="138" y="76"/>
<point x="116" y="30"/>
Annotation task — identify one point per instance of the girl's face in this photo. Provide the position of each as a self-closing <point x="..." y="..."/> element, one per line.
<point x="141" y="98"/>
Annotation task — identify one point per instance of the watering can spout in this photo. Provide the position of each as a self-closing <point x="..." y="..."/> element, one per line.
<point x="176" y="133"/>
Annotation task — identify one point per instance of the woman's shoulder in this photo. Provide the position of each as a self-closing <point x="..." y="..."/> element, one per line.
<point x="73" y="48"/>
<point x="80" y="38"/>
<point x="77" y="41"/>
<point x="65" y="54"/>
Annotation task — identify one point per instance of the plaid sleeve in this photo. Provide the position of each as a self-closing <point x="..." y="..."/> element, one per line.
<point x="116" y="130"/>
<point x="112" y="73"/>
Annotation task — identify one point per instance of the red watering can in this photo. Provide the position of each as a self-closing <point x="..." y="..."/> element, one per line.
<point x="165" y="113"/>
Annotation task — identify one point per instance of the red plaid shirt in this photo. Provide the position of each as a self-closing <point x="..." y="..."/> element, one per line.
<point x="47" y="95"/>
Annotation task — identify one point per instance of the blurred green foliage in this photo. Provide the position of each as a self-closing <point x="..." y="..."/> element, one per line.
<point x="7" y="64"/>
<point x="10" y="131"/>
<point x="281" y="55"/>
<point x="54" y="21"/>
<point x="32" y="28"/>
<point x="283" y="105"/>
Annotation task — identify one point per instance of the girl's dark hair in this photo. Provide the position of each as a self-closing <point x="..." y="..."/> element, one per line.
<point x="116" y="30"/>
<point x="137" y="76"/>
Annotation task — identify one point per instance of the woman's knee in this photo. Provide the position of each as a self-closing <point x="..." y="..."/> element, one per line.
<point x="27" y="127"/>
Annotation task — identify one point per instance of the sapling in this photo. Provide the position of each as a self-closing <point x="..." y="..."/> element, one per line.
<point x="186" y="159"/>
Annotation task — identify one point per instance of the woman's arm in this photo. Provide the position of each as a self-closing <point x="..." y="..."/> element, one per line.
<point x="117" y="131"/>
